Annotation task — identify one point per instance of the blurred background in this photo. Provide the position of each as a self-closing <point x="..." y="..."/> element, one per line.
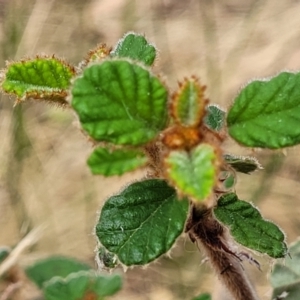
<point x="44" y="179"/>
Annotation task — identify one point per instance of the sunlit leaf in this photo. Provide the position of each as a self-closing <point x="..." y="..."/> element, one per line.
<point x="120" y="102"/>
<point x="266" y="113"/>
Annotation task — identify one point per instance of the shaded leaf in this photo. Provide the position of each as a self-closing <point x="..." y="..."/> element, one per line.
<point x="248" y="228"/>
<point x="285" y="277"/>
<point x="193" y="173"/>
<point x="105" y="259"/>
<point x="214" y="118"/>
<point x="116" y="162"/>
<point x="142" y="222"/>
<point x="82" y="285"/>
<point x="136" y="47"/>
<point x="120" y="102"/>
<point x="4" y="252"/>
<point x="266" y="113"/>
<point x="45" y="269"/>
<point x="243" y="164"/>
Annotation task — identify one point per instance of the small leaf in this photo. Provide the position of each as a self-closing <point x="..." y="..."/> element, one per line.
<point x="249" y="228"/>
<point x="105" y="259"/>
<point x="214" y="118"/>
<point x="95" y="55"/>
<point x="188" y="103"/>
<point x="193" y="173"/>
<point x="45" y="269"/>
<point x="266" y="113"/>
<point x="4" y="252"/>
<point x="82" y="285"/>
<point x="285" y="277"/>
<point x="136" y="47"/>
<point x="120" y="102"/>
<point x="142" y="222"/>
<point x="243" y="164"/>
<point x="45" y="78"/>
<point x="116" y="162"/>
<point x="228" y="180"/>
<point x="203" y="297"/>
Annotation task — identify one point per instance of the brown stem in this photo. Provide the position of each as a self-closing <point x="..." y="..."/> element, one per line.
<point x="204" y="229"/>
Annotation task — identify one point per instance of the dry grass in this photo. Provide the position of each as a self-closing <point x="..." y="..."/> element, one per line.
<point x="44" y="179"/>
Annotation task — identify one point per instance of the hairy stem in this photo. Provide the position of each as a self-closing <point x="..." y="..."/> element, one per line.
<point x="209" y="234"/>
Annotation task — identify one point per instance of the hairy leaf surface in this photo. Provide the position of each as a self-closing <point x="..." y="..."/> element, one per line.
<point x="266" y="113"/>
<point x="142" y="222"/>
<point x="248" y="227"/>
<point x="120" y="102"/>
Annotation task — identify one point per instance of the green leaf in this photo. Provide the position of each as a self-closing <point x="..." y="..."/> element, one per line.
<point x="82" y="285"/>
<point x="266" y="113"/>
<point x="115" y="162"/>
<point x="188" y="104"/>
<point x="142" y="222"/>
<point x="136" y="47"/>
<point x="228" y="180"/>
<point x="243" y="164"/>
<point x="45" y="269"/>
<point x="120" y="102"/>
<point x="285" y="277"/>
<point x="248" y="228"/>
<point x="202" y="297"/>
<point x="45" y="78"/>
<point x="4" y="252"/>
<point x="193" y="173"/>
<point x="214" y="118"/>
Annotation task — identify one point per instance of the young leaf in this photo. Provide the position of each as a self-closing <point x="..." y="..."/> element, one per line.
<point x="115" y="162"/>
<point x="120" y="102"/>
<point x="142" y="222"/>
<point x="136" y="47"/>
<point x="45" y="269"/>
<point x="285" y="277"/>
<point x="214" y="118"/>
<point x="266" y="113"/>
<point x="243" y="164"/>
<point x="82" y="285"/>
<point x="46" y="78"/>
<point x="248" y="228"/>
<point x="188" y="103"/>
<point x="193" y="173"/>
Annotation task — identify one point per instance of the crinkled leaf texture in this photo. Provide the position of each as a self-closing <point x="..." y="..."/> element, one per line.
<point x="136" y="47"/>
<point x="248" y="228"/>
<point x="214" y="118"/>
<point x="285" y="277"/>
<point x="193" y="173"/>
<point x="115" y="162"/>
<point x="120" y="102"/>
<point x="39" y="78"/>
<point x="45" y="269"/>
<point x="266" y="113"/>
<point x="82" y="285"/>
<point x="142" y="222"/>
